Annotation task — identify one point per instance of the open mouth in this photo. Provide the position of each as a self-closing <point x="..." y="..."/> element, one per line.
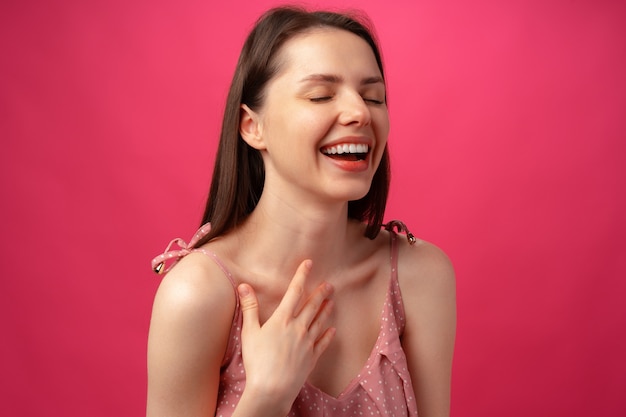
<point x="347" y="152"/>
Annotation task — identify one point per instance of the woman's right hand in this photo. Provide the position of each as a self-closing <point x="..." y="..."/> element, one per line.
<point x="279" y="355"/>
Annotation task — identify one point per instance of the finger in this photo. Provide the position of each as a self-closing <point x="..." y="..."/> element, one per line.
<point x="249" y="306"/>
<point x="295" y="291"/>
<point x="315" y="303"/>
<point x="323" y="342"/>
<point x="321" y="321"/>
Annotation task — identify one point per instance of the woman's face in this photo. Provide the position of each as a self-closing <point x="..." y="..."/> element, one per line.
<point x="323" y="124"/>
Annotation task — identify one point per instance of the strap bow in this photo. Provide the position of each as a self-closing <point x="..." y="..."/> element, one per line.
<point x="401" y="227"/>
<point x="158" y="263"/>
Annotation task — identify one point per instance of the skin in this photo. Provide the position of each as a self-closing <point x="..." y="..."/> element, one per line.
<point x="303" y="300"/>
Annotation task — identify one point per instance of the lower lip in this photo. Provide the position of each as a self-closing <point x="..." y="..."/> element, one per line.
<point x="351" y="166"/>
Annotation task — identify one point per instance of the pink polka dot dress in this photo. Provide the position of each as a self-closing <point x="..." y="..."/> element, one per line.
<point x="382" y="388"/>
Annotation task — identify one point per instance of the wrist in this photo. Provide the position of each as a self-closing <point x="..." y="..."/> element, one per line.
<point x="259" y="402"/>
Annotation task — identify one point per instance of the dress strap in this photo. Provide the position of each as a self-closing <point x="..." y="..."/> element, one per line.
<point x="219" y="263"/>
<point x="393" y="254"/>
<point x="159" y="262"/>
<point x="397" y="314"/>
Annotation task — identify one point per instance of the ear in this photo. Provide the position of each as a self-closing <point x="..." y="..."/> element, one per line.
<point x="250" y="127"/>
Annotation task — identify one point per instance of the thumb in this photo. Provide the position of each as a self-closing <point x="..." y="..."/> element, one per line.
<point x="249" y="305"/>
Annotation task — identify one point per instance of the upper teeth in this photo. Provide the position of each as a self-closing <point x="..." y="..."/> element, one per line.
<point x="346" y="148"/>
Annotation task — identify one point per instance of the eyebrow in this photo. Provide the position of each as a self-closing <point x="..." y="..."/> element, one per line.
<point x="335" y="79"/>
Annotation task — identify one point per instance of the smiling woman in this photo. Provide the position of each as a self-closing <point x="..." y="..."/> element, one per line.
<point x="328" y="92"/>
<point x="290" y="299"/>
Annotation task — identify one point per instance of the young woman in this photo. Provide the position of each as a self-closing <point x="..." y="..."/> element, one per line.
<point x="291" y="300"/>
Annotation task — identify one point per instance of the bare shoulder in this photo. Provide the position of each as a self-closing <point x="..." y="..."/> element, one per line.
<point x="194" y="300"/>
<point x="189" y="329"/>
<point x="427" y="283"/>
<point x="193" y="285"/>
<point x="424" y="270"/>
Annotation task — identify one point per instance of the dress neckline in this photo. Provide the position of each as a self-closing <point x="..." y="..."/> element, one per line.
<point x="374" y="352"/>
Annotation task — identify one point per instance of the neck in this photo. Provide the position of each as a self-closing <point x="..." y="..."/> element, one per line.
<point x="278" y="236"/>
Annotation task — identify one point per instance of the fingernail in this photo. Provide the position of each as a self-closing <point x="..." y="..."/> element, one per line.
<point x="243" y="290"/>
<point x="308" y="263"/>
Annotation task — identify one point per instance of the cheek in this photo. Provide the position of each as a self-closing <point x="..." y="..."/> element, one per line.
<point x="295" y="123"/>
<point x="382" y="132"/>
<point x="382" y="128"/>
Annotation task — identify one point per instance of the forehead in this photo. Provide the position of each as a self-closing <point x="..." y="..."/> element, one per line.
<point x="327" y="50"/>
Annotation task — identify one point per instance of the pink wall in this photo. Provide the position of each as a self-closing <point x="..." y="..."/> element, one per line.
<point x="508" y="143"/>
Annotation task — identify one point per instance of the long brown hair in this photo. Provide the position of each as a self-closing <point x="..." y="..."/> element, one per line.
<point x="239" y="173"/>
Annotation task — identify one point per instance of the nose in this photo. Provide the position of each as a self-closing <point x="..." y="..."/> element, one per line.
<point x="354" y="110"/>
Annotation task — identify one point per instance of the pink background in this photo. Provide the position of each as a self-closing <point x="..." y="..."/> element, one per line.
<point x="508" y="145"/>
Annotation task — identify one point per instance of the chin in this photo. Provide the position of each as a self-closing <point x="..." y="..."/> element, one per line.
<point x="345" y="190"/>
<point x="356" y="194"/>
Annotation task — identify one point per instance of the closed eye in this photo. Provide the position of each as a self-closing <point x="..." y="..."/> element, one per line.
<point x="320" y="99"/>
<point x="373" y="101"/>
